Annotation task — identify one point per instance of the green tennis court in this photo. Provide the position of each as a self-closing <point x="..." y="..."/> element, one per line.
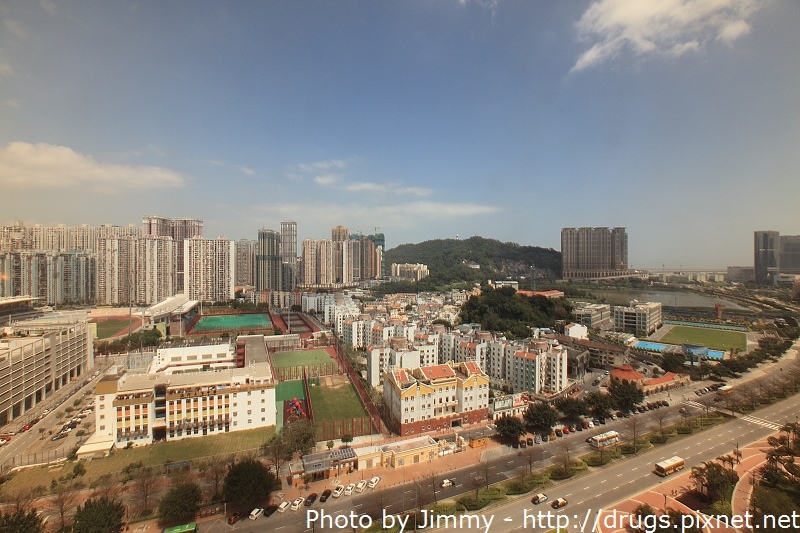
<point x="219" y="323"/>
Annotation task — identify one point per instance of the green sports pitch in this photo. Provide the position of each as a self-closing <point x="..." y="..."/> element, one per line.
<point x="301" y="358"/>
<point x="716" y="339"/>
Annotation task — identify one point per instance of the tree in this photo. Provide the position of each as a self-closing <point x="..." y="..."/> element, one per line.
<point x="563" y="456"/>
<point x="63" y="498"/>
<point x="510" y="428"/>
<point x="541" y="416"/>
<point x="347" y="439"/>
<point x="714" y="480"/>
<point x="659" y="416"/>
<point x="181" y="502"/>
<point x="599" y="404"/>
<point x="248" y="483"/>
<point x="145" y="483"/>
<point x="215" y="471"/>
<point x="99" y="516"/>
<point x="20" y="520"/>
<point x="278" y="451"/>
<point x="572" y="408"/>
<point x="633" y="427"/>
<point x="625" y="394"/>
<point x="299" y="436"/>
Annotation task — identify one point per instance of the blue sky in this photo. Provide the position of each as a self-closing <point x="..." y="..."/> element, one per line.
<point x="679" y="119"/>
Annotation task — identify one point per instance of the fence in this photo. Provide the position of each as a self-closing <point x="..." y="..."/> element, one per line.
<point x="363" y="395"/>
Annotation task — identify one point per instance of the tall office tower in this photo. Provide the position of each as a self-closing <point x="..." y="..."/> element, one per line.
<point x="155" y="269"/>
<point x="289" y="254"/>
<point x="246" y="251"/>
<point x="593" y="252"/>
<point x="179" y="229"/>
<point x="370" y="259"/>
<point x="210" y="269"/>
<point x="268" y="261"/>
<point x="326" y="262"/>
<point x="766" y="257"/>
<point x="380" y="245"/>
<point x="116" y="271"/>
<point x="309" y="262"/>
<point x="339" y="234"/>
<point x="790" y="254"/>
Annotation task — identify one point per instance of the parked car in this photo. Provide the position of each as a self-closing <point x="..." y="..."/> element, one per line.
<point x="529" y="440"/>
<point x="311" y="499"/>
<point x="338" y="491"/>
<point x="565" y="430"/>
<point x="539" y="498"/>
<point x="269" y="510"/>
<point x="348" y="490"/>
<point x="283" y="506"/>
<point x="297" y="503"/>
<point x="559" y="433"/>
<point x="447" y="483"/>
<point x="374" y="482"/>
<point x="537" y="439"/>
<point x="361" y="485"/>
<point x="558" y="503"/>
<point x="255" y="513"/>
<point x="234" y="517"/>
<point x="523" y="444"/>
<point x="325" y="495"/>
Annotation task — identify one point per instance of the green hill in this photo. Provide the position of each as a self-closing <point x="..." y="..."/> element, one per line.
<point x="449" y="260"/>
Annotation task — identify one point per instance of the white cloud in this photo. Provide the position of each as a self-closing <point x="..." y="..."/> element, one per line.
<point x="326" y="179"/>
<point x="666" y="27"/>
<point x="321" y="166"/>
<point x="39" y="166"/>
<point x="247" y="171"/>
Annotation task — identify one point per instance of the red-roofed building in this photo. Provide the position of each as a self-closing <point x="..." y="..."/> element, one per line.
<point x="667" y="382"/>
<point x="435" y="397"/>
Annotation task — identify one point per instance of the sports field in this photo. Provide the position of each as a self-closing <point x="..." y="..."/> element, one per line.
<point x="301" y="358"/>
<point x="716" y="339"/>
<point x="335" y="399"/>
<point x="221" y="323"/>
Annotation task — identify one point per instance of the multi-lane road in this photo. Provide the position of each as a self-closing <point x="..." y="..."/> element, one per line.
<point x="586" y="495"/>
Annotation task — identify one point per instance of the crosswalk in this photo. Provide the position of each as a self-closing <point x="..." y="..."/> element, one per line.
<point x="747" y="418"/>
<point x="761" y="422"/>
<point x="696" y="405"/>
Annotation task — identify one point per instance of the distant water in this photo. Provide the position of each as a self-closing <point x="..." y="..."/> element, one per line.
<point x="667" y="298"/>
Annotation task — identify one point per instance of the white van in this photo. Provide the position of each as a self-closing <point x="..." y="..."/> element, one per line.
<point x="255" y="513"/>
<point x="283" y="506"/>
<point x="361" y="485"/>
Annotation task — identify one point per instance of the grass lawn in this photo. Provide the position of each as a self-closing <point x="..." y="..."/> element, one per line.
<point x="301" y="358"/>
<point x="716" y="339"/>
<point x="155" y="454"/>
<point x="334" y="399"/>
<point x="107" y="328"/>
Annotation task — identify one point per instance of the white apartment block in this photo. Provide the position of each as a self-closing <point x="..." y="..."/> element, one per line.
<point x="595" y="316"/>
<point x="409" y="271"/>
<point x="136" y="270"/>
<point x="187" y="401"/>
<point x="640" y="319"/>
<point x="55" y="277"/>
<point x="541" y="368"/>
<point x="209" y="269"/>
<point x="37" y="359"/>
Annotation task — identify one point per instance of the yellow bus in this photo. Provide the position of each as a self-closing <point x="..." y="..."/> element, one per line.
<point x="669" y="466"/>
<point x="604" y="439"/>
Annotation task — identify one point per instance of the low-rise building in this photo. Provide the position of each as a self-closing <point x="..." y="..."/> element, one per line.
<point x="436" y="397"/>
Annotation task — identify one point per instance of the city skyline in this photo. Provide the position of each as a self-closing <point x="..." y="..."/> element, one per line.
<point x="458" y="118"/>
